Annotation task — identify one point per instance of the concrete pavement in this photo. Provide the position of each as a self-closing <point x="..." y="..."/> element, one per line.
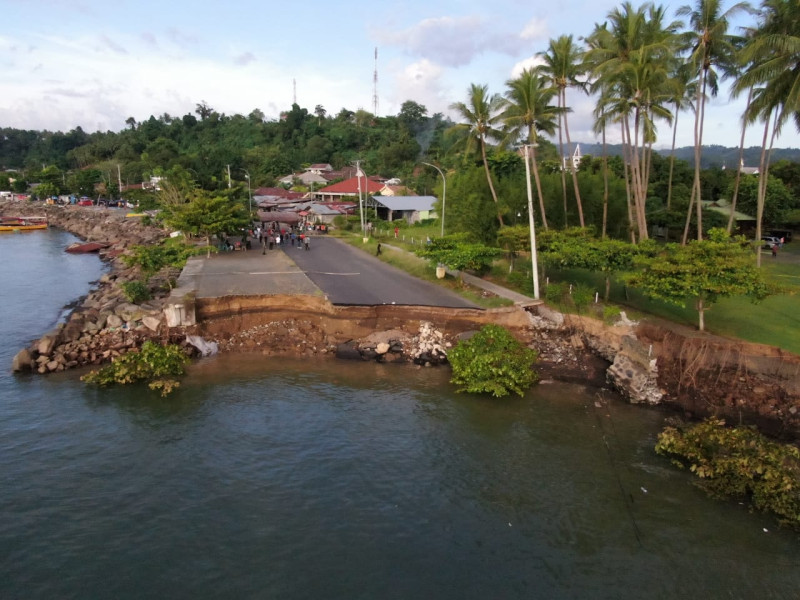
<point x="245" y="273"/>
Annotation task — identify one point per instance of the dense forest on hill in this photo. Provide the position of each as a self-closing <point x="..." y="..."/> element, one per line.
<point x="201" y="147"/>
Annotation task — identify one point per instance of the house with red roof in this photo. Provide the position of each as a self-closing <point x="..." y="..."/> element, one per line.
<point x="348" y="187"/>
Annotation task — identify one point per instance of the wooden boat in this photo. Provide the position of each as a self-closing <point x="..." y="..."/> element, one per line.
<point x="85" y="247"/>
<point x="22" y="223"/>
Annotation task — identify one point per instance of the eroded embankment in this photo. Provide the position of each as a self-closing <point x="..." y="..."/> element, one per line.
<point x="651" y="362"/>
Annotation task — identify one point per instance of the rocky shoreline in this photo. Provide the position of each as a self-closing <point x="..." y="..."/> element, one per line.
<point x="649" y="363"/>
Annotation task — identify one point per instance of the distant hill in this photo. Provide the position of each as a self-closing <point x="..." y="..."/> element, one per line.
<point x="713" y="156"/>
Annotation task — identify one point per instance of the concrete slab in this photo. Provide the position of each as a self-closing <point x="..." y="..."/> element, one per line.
<point x="245" y="273"/>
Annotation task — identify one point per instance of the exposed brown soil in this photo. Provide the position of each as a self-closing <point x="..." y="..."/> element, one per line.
<point x="740" y="381"/>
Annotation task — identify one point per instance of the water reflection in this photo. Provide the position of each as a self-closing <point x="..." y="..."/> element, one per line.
<point x="294" y="479"/>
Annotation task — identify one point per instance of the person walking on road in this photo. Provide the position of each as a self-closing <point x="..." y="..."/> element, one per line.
<point x="378" y="251"/>
<point x="306" y="239"/>
<point x="774" y="250"/>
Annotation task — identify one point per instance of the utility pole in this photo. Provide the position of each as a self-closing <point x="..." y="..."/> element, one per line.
<point x="229" y="177"/>
<point x="360" y="203"/>
<point x="534" y="262"/>
<point x="119" y="179"/>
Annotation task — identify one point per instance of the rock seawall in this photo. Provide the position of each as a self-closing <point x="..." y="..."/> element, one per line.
<point x="103" y="324"/>
<point x="650" y="362"/>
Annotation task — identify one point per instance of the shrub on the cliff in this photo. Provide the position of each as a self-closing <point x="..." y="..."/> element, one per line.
<point x="153" y="363"/>
<point x="492" y="361"/>
<point x="136" y="291"/>
<point x="151" y="259"/>
<point x="739" y="462"/>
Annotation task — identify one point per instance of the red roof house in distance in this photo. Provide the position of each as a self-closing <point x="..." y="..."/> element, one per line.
<point x="348" y="187"/>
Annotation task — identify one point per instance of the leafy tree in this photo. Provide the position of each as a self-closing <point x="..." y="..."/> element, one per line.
<point x="492" y="362"/>
<point x="778" y="200"/>
<point x="46" y="190"/>
<point x="206" y="215"/>
<point x="705" y="270"/>
<point x="203" y="110"/>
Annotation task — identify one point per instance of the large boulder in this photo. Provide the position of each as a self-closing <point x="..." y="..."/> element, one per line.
<point x="23" y="361"/>
<point x="47" y="343"/>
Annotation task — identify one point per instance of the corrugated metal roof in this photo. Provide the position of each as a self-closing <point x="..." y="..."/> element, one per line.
<point x="419" y="203"/>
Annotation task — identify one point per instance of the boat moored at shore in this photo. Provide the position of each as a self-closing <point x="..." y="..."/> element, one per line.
<point x="11" y="224"/>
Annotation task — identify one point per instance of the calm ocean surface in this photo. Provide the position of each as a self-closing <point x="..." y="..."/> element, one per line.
<point x="286" y="479"/>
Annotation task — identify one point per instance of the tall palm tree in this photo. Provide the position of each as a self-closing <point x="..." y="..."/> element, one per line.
<point x="773" y="56"/>
<point x="562" y="65"/>
<point x="630" y="60"/>
<point x="683" y="90"/>
<point x="601" y="121"/>
<point x="527" y="111"/>
<point x="713" y="54"/>
<point x="481" y="115"/>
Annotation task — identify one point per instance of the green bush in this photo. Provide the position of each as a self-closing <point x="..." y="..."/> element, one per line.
<point x="582" y="295"/>
<point x="555" y="291"/>
<point x="735" y="462"/>
<point x="521" y="281"/>
<point x="152" y="363"/>
<point x="136" y="291"/>
<point x="459" y="255"/>
<point x="610" y="313"/>
<point x="493" y="362"/>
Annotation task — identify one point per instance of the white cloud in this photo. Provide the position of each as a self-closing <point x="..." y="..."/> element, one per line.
<point x="535" y="30"/>
<point x="420" y="81"/>
<point x="455" y="41"/>
<point x="525" y="63"/>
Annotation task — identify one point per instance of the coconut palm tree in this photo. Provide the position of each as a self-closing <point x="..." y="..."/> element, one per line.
<point x="683" y="90"/>
<point x="772" y="54"/>
<point x="562" y="65"/>
<point x="630" y="58"/>
<point x="481" y="115"/>
<point x="527" y="110"/>
<point x="713" y="54"/>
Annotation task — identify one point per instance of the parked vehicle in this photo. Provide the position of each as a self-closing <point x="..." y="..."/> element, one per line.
<point x="785" y="235"/>
<point x="85" y="201"/>
<point x="768" y="242"/>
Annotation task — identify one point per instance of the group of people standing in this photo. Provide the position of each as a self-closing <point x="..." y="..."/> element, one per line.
<point x="272" y="237"/>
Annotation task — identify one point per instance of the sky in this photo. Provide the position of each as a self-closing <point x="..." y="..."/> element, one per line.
<point x="93" y="64"/>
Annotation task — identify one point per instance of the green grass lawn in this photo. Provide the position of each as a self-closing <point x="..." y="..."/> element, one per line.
<point x="774" y="321"/>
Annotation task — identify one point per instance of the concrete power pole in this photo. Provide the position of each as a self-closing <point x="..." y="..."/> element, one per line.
<point x="229" y="177"/>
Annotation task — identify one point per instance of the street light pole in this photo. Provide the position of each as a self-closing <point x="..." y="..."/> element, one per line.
<point x="444" y="190"/>
<point x="360" y="203"/>
<point x="249" y="195"/>
<point x="534" y="265"/>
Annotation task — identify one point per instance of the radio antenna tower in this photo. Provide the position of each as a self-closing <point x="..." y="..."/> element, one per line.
<point x="294" y="91"/>
<point x="375" y="85"/>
